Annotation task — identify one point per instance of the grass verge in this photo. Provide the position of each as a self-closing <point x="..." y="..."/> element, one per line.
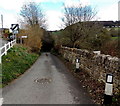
<point x="16" y="62"/>
<point x="115" y="38"/>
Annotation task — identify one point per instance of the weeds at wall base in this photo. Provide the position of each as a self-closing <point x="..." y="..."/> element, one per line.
<point x="94" y="87"/>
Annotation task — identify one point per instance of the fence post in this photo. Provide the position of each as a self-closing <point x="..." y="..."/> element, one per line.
<point x="9" y="45"/>
<point x="0" y="56"/>
<point x="5" y="49"/>
<point x="0" y="59"/>
<point x="15" y="41"/>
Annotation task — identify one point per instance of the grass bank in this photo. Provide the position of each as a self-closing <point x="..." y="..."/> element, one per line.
<point x="115" y="38"/>
<point x="16" y="62"/>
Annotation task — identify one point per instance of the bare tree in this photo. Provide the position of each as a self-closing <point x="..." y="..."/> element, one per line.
<point x="76" y="20"/>
<point x="34" y="25"/>
<point x="74" y="14"/>
<point x="32" y="14"/>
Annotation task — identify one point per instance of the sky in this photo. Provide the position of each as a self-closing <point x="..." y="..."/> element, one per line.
<point x="107" y="10"/>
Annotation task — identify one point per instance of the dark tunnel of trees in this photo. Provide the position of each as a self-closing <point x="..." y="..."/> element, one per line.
<point x="47" y="46"/>
<point x="47" y="43"/>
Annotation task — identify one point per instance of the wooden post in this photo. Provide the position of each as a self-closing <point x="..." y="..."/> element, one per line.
<point x="21" y="40"/>
<point x="5" y="49"/>
<point x="9" y="45"/>
<point x="0" y="57"/>
<point x="15" y="41"/>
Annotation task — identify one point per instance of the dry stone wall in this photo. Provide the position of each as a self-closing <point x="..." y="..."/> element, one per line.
<point x="97" y="65"/>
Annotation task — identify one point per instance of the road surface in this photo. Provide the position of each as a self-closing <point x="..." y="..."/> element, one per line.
<point x="47" y="82"/>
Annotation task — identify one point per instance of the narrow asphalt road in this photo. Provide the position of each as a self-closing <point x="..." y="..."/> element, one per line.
<point x="46" y="82"/>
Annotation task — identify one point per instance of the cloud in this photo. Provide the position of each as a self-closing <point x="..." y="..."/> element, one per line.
<point x="76" y="2"/>
<point x="10" y="9"/>
<point x="52" y="1"/>
<point x="66" y="2"/>
<point x="11" y="4"/>
<point x="109" y="13"/>
<point x="8" y="21"/>
<point x="54" y="19"/>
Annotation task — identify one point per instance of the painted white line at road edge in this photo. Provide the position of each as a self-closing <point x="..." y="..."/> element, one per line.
<point x="1" y="101"/>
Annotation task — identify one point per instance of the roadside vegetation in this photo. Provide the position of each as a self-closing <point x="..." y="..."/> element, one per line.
<point x="83" y="33"/>
<point x="117" y="38"/>
<point x="33" y="26"/>
<point x="93" y="87"/>
<point x="103" y="41"/>
<point x="21" y="57"/>
<point x="16" y="62"/>
<point x="112" y="46"/>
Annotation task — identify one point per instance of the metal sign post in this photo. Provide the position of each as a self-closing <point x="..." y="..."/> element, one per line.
<point x="22" y="37"/>
<point x="15" y="29"/>
<point x="108" y="89"/>
<point x="2" y="20"/>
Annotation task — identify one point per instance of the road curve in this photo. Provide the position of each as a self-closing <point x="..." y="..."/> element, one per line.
<point x="46" y="82"/>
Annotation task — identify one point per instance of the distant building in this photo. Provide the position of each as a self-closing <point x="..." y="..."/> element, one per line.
<point x="4" y="32"/>
<point x="1" y="31"/>
<point x="108" y="24"/>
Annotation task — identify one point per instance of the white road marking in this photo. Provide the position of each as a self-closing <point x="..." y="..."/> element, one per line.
<point x="1" y="101"/>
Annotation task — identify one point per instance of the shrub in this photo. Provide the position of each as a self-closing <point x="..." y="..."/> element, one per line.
<point x="112" y="48"/>
<point x="34" y="34"/>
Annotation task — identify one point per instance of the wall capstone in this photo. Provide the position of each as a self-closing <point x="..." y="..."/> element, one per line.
<point x="96" y="65"/>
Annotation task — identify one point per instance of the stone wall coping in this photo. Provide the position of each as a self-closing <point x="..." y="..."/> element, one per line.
<point x="95" y="54"/>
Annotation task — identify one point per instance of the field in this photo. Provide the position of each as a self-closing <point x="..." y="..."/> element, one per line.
<point x="115" y="38"/>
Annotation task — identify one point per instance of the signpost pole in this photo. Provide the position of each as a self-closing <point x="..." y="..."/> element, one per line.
<point x="21" y="40"/>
